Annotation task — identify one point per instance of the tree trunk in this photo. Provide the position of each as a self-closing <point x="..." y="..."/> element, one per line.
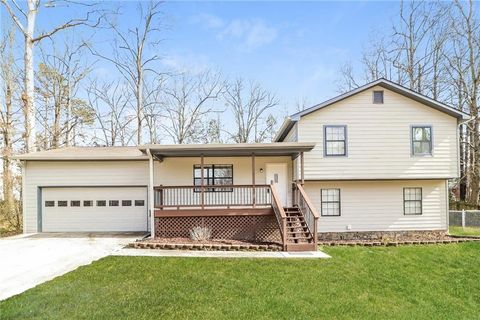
<point x="29" y="84"/>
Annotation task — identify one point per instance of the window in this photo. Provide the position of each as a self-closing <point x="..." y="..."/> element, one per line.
<point x="421" y="140"/>
<point x="378" y="97"/>
<point x="412" y="201"/>
<point x="330" y="202"/>
<point x="62" y="203"/>
<point x="101" y="203"/>
<point x="75" y="203"/>
<point x="49" y="203"/>
<point x="126" y="203"/>
<point x="335" y="140"/>
<point x="113" y="203"/>
<point x="213" y="175"/>
<point x="87" y="203"/>
<point x="139" y="203"/>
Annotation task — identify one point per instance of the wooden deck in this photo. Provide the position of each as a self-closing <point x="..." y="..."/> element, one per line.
<point x="250" y="212"/>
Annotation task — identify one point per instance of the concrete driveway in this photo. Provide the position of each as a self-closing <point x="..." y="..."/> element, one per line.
<point x="26" y="261"/>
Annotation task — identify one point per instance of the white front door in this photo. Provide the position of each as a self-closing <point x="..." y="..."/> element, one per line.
<point x="277" y="174"/>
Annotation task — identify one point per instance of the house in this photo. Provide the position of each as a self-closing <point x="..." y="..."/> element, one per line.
<point x="371" y="161"/>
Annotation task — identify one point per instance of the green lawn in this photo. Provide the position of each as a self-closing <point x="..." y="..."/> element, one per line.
<point x="467" y="231"/>
<point x="421" y="282"/>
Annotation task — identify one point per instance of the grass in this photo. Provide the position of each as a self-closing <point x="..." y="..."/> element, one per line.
<point x="467" y="231"/>
<point x="421" y="282"/>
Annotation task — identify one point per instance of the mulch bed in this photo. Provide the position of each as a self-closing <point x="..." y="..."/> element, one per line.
<point x="208" y="245"/>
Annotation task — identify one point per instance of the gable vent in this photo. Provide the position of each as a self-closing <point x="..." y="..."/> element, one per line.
<point x="378" y="97"/>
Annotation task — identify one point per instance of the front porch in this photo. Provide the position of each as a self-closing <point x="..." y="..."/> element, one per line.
<point x="278" y="212"/>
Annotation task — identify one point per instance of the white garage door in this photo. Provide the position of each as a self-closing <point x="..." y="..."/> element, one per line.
<point x="94" y="209"/>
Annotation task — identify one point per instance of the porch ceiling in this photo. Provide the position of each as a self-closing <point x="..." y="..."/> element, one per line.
<point x="292" y="149"/>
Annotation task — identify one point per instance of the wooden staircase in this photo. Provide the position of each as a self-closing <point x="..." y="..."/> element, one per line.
<point x="298" y="236"/>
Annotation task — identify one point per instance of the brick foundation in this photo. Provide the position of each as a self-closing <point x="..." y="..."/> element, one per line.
<point x="383" y="235"/>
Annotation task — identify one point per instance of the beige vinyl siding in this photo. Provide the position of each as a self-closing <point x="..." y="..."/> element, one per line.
<point x="179" y="171"/>
<point x="77" y="173"/>
<point x="378" y="205"/>
<point x="379" y="140"/>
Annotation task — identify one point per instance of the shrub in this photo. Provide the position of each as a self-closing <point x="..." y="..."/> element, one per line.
<point x="200" y="233"/>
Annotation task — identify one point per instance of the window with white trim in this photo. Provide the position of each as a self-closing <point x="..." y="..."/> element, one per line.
<point x="412" y="201"/>
<point x="421" y="140"/>
<point x="213" y="175"/>
<point x="330" y="199"/>
<point x="335" y="140"/>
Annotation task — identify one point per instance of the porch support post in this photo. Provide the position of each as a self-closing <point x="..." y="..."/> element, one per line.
<point x="302" y="176"/>
<point x="202" y="181"/>
<point x="253" y="181"/>
<point x="151" y="194"/>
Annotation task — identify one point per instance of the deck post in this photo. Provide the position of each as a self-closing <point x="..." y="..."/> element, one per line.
<point x="253" y="181"/>
<point x="151" y="194"/>
<point x="202" y="190"/>
<point x="302" y="174"/>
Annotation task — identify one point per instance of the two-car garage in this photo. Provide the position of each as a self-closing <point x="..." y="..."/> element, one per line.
<point x="93" y="209"/>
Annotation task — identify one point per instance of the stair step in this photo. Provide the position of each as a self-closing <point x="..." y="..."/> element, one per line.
<point x="301" y="247"/>
<point x="299" y="238"/>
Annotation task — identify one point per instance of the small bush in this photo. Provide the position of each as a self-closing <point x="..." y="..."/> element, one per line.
<point x="200" y="233"/>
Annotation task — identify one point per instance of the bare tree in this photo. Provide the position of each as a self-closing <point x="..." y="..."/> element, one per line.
<point x="188" y="100"/>
<point x="59" y="77"/>
<point x="249" y="106"/>
<point x="24" y="18"/>
<point x="412" y="47"/>
<point x="111" y="104"/>
<point x="10" y="212"/>
<point x="132" y="58"/>
<point x="154" y="107"/>
<point x="465" y="61"/>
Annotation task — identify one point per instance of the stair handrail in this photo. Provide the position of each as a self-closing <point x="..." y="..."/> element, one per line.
<point x="302" y="198"/>
<point x="280" y="215"/>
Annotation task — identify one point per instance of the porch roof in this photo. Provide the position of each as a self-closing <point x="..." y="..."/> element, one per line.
<point x="292" y="149"/>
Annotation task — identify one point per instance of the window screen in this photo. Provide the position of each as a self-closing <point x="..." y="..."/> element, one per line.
<point x="335" y="140"/>
<point x="421" y="140"/>
<point x="213" y="175"/>
<point x="330" y="202"/>
<point x="412" y="201"/>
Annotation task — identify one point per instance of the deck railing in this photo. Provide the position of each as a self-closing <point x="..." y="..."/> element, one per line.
<point x="308" y="210"/>
<point x="223" y="196"/>
<point x="279" y="214"/>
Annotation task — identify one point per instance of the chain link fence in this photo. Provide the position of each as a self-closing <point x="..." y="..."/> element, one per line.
<point x="465" y="218"/>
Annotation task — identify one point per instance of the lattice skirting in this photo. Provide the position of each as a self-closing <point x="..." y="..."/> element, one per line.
<point x="251" y="228"/>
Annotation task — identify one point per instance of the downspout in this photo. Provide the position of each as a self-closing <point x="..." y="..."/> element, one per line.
<point x="151" y="200"/>
<point x="24" y="194"/>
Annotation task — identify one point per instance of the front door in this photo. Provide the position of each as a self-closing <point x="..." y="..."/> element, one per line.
<point x="277" y="174"/>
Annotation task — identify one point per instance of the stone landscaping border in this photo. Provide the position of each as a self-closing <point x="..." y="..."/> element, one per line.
<point x="351" y="243"/>
<point x="204" y="247"/>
